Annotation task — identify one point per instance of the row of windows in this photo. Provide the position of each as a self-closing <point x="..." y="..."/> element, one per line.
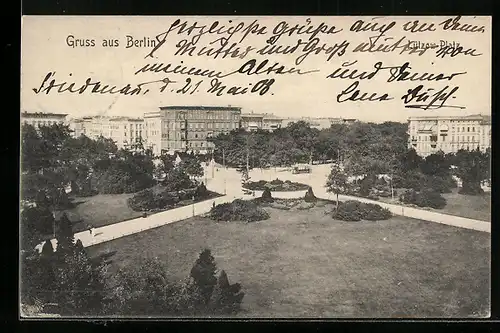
<point x="464" y="138"/>
<point x="41" y="122"/>
<point x="208" y="115"/>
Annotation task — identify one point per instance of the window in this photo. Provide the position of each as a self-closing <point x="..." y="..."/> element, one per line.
<point x="468" y="138"/>
<point x="463" y="129"/>
<point x="468" y="129"/>
<point x="196" y="136"/>
<point x="473" y="129"/>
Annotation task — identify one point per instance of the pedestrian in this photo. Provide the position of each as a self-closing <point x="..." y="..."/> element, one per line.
<point x="213" y="204"/>
<point x="91" y="228"/>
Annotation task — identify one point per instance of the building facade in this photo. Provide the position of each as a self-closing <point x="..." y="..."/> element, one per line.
<point x="188" y="128"/>
<point x="38" y="119"/>
<point x="319" y="123"/>
<point x="265" y="121"/>
<point x="124" y="131"/>
<point x="428" y="135"/>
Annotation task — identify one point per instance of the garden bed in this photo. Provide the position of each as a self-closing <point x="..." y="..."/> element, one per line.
<point x="276" y="185"/>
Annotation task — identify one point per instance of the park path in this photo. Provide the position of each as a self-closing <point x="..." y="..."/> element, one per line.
<point x="228" y="182"/>
<point x="317" y="178"/>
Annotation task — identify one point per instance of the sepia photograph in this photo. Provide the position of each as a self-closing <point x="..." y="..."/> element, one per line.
<point x="255" y="167"/>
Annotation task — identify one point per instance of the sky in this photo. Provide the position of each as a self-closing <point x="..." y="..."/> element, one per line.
<point x="45" y="49"/>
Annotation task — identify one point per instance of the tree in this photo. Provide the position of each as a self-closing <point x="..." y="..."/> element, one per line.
<point x="203" y="274"/>
<point x="35" y="222"/>
<point x="79" y="283"/>
<point x="140" y="289"/>
<point x="337" y="182"/>
<point x="226" y="298"/>
<point x="65" y="236"/>
<point x="47" y="249"/>
<point x="472" y="167"/>
<point x="435" y="164"/>
<point x="309" y="196"/>
<point x="166" y="165"/>
<point x="192" y="166"/>
<point x="266" y="195"/>
<point x="410" y="160"/>
<point x="177" y="180"/>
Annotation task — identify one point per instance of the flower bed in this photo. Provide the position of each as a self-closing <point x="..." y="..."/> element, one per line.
<point x="276" y="185"/>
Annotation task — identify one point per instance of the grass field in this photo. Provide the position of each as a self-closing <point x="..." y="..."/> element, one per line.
<point x="305" y="264"/>
<point x="101" y="210"/>
<point x="477" y="207"/>
<point x="106" y="209"/>
<point x="471" y="206"/>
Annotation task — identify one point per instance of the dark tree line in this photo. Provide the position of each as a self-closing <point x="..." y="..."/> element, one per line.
<point x="299" y="143"/>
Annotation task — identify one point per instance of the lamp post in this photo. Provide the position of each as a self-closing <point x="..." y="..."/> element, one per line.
<point x="193" y="205"/>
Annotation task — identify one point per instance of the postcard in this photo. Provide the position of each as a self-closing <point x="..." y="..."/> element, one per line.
<point x="255" y="167"/>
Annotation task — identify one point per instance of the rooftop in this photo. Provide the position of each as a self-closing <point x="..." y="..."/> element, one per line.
<point x="207" y="108"/>
<point x="260" y="115"/>
<point x="471" y="116"/>
<point x="42" y="114"/>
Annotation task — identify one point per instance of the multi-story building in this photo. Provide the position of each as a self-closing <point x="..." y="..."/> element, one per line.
<point x="265" y="121"/>
<point x="122" y="130"/>
<point x="187" y="128"/>
<point x="38" y="119"/>
<point x="320" y="123"/>
<point x="428" y="135"/>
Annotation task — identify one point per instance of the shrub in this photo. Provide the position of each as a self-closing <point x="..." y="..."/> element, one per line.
<point x="309" y="196"/>
<point x="439" y="184"/>
<point x="430" y="198"/>
<point x="409" y="197"/>
<point x="305" y="205"/>
<point x="381" y="181"/>
<point x="470" y="188"/>
<point x="150" y="200"/>
<point x="373" y="212"/>
<point x="201" y="192"/>
<point x="226" y="298"/>
<point x="425" y="198"/>
<point x="266" y="196"/>
<point x="373" y="196"/>
<point x="238" y="210"/>
<point x="275" y="185"/>
<point x="356" y="211"/>
<point x="348" y="211"/>
<point x="276" y="182"/>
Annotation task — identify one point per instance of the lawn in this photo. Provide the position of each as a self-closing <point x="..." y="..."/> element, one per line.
<point x="471" y="206"/>
<point x="305" y="264"/>
<point x="101" y="210"/>
<point x="476" y="207"/>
